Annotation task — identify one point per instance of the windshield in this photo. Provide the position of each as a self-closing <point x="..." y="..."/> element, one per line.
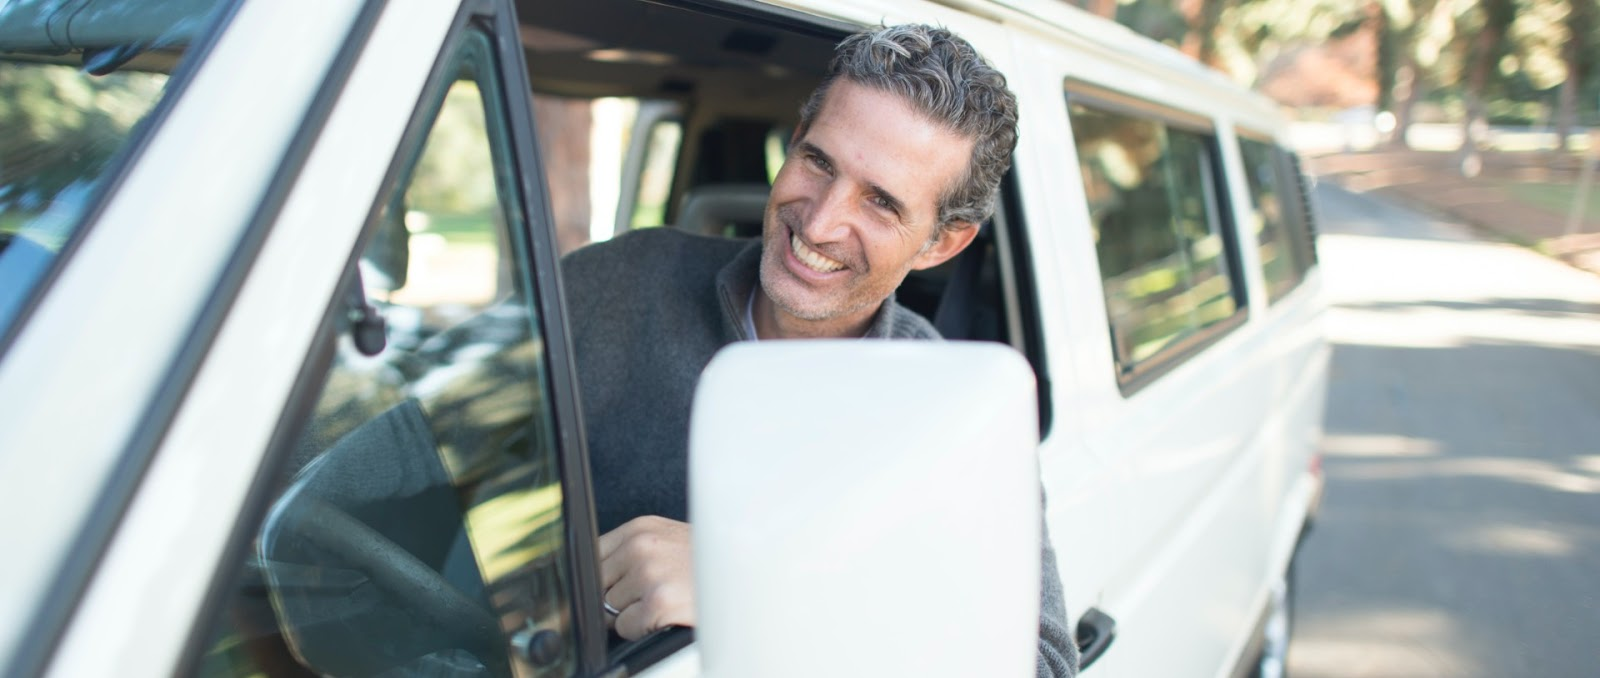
<point x="77" y="79"/>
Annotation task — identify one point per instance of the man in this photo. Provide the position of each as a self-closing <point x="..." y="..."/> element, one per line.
<point x="896" y="160"/>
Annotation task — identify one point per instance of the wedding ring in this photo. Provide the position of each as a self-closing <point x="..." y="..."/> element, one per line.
<point x="608" y="608"/>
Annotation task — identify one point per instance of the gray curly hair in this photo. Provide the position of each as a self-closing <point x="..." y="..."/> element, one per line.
<point x="943" y="77"/>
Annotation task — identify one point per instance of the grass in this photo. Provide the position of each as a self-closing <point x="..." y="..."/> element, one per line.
<point x="1555" y="198"/>
<point x="462" y="228"/>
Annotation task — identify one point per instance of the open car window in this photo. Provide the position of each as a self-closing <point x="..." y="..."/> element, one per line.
<point x="418" y="529"/>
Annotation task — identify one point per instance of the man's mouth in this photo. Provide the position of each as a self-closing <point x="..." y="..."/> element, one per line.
<point x="811" y="258"/>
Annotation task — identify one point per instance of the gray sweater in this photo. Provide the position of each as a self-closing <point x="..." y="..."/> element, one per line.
<point x="648" y="310"/>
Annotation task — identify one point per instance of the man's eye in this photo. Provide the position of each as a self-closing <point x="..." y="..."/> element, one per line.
<point x="819" y="162"/>
<point x="883" y="203"/>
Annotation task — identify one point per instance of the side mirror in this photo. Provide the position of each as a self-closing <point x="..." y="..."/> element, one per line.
<point x="866" y="508"/>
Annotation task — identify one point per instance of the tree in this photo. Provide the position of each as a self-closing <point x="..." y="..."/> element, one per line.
<point x="1237" y="37"/>
<point x="1483" y="29"/>
<point x="59" y="129"/>
<point x="1578" y="55"/>
<point x="1206" y="22"/>
<point x="1412" y="38"/>
<point x="1102" y="8"/>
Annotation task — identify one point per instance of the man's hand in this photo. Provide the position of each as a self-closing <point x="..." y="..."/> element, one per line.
<point x="647" y="573"/>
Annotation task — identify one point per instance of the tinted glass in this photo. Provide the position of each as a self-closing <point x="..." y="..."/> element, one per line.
<point x="69" y="107"/>
<point x="1163" y="259"/>
<point x="418" y="530"/>
<point x="1272" y="211"/>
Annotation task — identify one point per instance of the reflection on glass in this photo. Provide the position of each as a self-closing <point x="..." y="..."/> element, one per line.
<point x="1162" y="259"/>
<point x="70" y="102"/>
<point x="419" y="527"/>
<point x="1269" y="217"/>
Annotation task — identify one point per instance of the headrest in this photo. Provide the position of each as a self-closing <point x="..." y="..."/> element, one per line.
<point x="727" y="210"/>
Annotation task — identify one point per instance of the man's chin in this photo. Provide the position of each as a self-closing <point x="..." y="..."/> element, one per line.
<point x="796" y="304"/>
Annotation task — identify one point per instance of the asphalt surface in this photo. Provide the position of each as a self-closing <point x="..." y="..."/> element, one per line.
<point x="1460" y="533"/>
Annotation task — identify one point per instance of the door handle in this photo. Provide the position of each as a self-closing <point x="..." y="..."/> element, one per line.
<point x="1096" y="630"/>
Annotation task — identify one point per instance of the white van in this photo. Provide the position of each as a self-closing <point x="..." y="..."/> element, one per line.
<point x="286" y="386"/>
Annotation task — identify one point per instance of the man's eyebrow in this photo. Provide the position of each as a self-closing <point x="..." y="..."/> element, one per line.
<point x="895" y="204"/>
<point x="810" y="148"/>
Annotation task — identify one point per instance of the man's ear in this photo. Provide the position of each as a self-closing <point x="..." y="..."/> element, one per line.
<point x="953" y="238"/>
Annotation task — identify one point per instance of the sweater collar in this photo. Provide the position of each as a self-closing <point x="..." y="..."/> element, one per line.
<point x="739" y="278"/>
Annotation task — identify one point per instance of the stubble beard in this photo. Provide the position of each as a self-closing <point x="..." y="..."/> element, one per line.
<point x="789" y="294"/>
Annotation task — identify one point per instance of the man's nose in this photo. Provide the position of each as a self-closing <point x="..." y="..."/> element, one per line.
<point x="831" y="215"/>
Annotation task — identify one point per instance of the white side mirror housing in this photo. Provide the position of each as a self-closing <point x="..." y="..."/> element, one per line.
<point x="866" y="508"/>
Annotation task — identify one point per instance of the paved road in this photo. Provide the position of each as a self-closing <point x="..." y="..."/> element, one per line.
<point x="1460" y="533"/>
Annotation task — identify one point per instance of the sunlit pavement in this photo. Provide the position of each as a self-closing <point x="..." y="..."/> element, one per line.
<point x="1460" y="533"/>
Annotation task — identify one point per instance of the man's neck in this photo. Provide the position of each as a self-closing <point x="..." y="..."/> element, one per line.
<point x="773" y="323"/>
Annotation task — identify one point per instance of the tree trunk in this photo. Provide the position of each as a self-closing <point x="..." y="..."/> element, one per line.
<point x="1576" y="53"/>
<point x="1566" y="109"/>
<point x="564" y="141"/>
<point x="1387" y="58"/>
<point x="1209" y="21"/>
<point x="1471" y="125"/>
<point x="1103" y="8"/>
<point x="1406" y="90"/>
<point x="1398" y="75"/>
<point x="1485" y="51"/>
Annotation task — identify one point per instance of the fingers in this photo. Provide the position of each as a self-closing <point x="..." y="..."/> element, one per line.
<point x="622" y="548"/>
<point x="647" y="574"/>
<point x="611" y="540"/>
<point x="660" y="605"/>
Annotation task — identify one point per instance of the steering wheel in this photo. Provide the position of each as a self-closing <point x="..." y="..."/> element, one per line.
<point x="431" y="615"/>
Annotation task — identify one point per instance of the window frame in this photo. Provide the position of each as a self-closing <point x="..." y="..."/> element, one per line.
<point x="64" y="597"/>
<point x="572" y="458"/>
<point x="1297" y="231"/>
<point x="496" y="20"/>
<point x="1220" y="212"/>
<point x="1019" y="289"/>
<point x="1304" y="221"/>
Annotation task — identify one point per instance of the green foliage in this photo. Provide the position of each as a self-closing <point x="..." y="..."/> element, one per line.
<point x="456" y="173"/>
<point x="1246" y="34"/>
<point x="59" y="126"/>
<point x="1159" y="20"/>
<point x="1512" y="55"/>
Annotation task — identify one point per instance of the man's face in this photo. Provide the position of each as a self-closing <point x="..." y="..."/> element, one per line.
<point x="855" y="207"/>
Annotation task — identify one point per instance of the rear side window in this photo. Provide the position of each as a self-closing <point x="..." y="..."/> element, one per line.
<point x="1167" y="266"/>
<point x="1276" y="216"/>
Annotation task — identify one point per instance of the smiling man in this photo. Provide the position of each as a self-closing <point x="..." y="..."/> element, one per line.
<point x="897" y="158"/>
<point x="855" y="208"/>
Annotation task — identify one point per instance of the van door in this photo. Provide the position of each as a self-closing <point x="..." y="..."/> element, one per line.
<point x="374" y="467"/>
<point x="1171" y="384"/>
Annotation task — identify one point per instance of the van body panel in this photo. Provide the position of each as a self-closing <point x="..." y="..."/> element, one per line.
<point x="1174" y="499"/>
<point x="1178" y="493"/>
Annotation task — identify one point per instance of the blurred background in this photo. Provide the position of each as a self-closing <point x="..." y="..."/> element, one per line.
<point x="1452" y="143"/>
<point x="1480" y="109"/>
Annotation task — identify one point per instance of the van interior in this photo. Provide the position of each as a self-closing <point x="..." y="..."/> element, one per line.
<point x="717" y="92"/>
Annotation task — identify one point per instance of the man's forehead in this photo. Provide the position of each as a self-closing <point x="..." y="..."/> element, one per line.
<point x="886" y="141"/>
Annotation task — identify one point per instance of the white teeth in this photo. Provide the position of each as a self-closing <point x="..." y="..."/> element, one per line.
<point x="811" y="258"/>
